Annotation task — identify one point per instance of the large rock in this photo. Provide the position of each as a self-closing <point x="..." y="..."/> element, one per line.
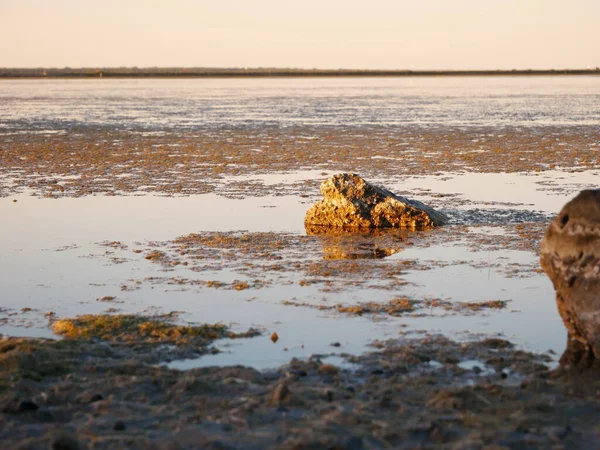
<point x="570" y="255"/>
<point x="351" y="202"/>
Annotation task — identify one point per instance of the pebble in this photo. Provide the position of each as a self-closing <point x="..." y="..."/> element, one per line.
<point x="95" y="398"/>
<point x="65" y="443"/>
<point x="329" y="395"/>
<point x="279" y="393"/>
<point x="329" y="369"/>
<point x="17" y="406"/>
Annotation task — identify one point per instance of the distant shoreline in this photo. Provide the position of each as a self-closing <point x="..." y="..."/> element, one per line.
<point x="180" y="72"/>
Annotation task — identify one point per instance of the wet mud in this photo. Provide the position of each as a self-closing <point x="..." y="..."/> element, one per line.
<point x="426" y="393"/>
<point x="88" y="161"/>
<point x="103" y="385"/>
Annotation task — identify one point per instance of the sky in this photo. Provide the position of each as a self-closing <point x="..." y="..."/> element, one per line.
<point x="325" y="34"/>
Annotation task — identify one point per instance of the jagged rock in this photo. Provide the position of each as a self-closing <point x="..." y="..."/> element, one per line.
<point x="351" y="202"/>
<point x="570" y="256"/>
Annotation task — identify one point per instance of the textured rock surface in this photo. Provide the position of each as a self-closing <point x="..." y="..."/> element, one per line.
<point x="570" y="255"/>
<point x="351" y="202"/>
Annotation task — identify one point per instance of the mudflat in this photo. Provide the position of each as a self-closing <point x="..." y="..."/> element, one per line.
<point x="112" y="389"/>
<point x="160" y="289"/>
<point x="427" y="393"/>
<point x="83" y="162"/>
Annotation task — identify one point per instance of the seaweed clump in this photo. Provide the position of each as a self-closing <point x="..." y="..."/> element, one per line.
<point x="130" y="327"/>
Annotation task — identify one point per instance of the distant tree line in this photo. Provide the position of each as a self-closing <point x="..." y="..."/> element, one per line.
<point x="101" y="72"/>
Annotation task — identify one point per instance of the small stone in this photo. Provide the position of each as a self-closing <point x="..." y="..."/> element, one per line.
<point x="27" y="405"/>
<point x="280" y="392"/>
<point x="423" y="427"/>
<point x="329" y="395"/>
<point x="329" y="369"/>
<point x="95" y="398"/>
<point x="64" y="442"/>
<point x="335" y="344"/>
<point x="17" y="406"/>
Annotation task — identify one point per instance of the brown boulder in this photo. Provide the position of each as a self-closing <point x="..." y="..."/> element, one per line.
<point x="351" y="202"/>
<point x="570" y="256"/>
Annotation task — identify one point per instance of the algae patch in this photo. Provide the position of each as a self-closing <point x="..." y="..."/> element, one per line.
<point x="101" y="341"/>
<point x="130" y="327"/>
<point x="405" y="306"/>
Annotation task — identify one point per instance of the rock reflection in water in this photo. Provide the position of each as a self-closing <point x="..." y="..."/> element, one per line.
<point x="341" y="243"/>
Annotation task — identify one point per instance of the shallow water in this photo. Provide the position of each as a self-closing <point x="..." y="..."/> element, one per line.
<point x="57" y="255"/>
<point x="157" y="105"/>
<point x="55" y="259"/>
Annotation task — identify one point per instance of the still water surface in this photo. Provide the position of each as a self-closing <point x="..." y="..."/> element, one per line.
<point x="53" y="260"/>
<point x="157" y="105"/>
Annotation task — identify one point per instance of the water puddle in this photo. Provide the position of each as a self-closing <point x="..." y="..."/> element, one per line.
<point x="63" y="256"/>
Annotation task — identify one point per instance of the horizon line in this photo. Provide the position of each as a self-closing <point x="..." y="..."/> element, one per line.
<point x="183" y="71"/>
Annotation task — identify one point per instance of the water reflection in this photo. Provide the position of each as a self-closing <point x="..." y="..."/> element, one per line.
<point x="156" y="105"/>
<point x="341" y="243"/>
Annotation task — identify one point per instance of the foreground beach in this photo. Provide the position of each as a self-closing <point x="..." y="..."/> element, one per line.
<point x="417" y="394"/>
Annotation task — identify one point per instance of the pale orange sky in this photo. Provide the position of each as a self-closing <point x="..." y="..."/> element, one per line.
<point x="328" y="34"/>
